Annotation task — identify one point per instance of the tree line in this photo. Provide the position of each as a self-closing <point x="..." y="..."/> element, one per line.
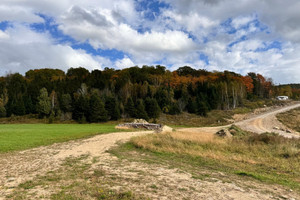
<point x="111" y="94"/>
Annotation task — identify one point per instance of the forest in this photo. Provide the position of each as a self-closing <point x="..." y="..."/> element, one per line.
<point x="110" y="94"/>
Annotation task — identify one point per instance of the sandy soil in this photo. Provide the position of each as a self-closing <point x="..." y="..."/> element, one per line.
<point x="154" y="181"/>
<point x="267" y="122"/>
<point x="18" y="167"/>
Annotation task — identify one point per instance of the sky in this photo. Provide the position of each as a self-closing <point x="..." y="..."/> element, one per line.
<point x="261" y="36"/>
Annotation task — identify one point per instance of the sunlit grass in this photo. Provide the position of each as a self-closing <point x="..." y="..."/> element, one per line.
<point x="23" y="136"/>
<point x="267" y="157"/>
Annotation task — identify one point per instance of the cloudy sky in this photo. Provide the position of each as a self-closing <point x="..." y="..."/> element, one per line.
<point x="238" y="35"/>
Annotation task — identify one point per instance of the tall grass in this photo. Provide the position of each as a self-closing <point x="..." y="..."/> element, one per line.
<point x="291" y="119"/>
<point x="267" y="157"/>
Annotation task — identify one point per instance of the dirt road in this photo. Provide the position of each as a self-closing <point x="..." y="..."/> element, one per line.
<point x="267" y="122"/>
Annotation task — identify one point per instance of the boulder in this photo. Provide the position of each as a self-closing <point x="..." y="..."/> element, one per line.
<point x="223" y="133"/>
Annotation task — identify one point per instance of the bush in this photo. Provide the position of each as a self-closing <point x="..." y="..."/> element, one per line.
<point x="266" y="138"/>
<point x="2" y="111"/>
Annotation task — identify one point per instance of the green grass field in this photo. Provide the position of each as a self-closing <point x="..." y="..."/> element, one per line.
<point x="24" y="136"/>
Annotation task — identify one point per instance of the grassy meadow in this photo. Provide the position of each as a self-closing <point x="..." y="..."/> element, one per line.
<point x="268" y="158"/>
<point x="24" y="136"/>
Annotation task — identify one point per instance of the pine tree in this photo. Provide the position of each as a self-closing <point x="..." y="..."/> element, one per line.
<point x="174" y="109"/>
<point x="66" y="103"/>
<point x="140" y="110"/>
<point x="152" y="108"/>
<point x="2" y="109"/>
<point x="129" y="108"/>
<point x="202" y="108"/>
<point x="19" y="107"/>
<point x="191" y="106"/>
<point x="112" y="108"/>
<point x="29" y="107"/>
<point x="81" y="109"/>
<point x="44" y="104"/>
<point x="97" y="110"/>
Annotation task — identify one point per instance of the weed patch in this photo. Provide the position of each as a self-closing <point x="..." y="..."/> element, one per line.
<point x="268" y="157"/>
<point x="291" y="119"/>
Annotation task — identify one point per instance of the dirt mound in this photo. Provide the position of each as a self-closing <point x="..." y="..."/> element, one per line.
<point x="140" y="121"/>
<point x="166" y="129"/>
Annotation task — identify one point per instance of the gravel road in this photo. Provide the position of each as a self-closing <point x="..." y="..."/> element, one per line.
<point x="267" y="122"/>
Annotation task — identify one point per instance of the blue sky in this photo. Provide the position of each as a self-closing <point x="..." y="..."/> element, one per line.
<point x="240" y="36"/>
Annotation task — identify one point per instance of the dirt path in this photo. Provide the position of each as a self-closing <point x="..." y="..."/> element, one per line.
<point x="18" y="167"/>
<point x="267" y="122"/>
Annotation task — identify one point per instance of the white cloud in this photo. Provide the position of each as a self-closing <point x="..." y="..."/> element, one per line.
<point x="25" y="49"/>
<point x="18" y="14"/>
<point x="177" y="37"/>
<point x="124" y="63"/>
<point x="3" y="35"/>
<point x="108" y="33"/>
<point x="242" y="21"/>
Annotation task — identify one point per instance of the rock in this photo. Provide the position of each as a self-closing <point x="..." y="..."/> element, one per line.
<point x="233" y="132"/>
<point x="288" y="131"/>
<point x="11" y="179"/>
<point x="283" y="197"/>
<point x="223" y="133"/>
<point x="276" y="128"/>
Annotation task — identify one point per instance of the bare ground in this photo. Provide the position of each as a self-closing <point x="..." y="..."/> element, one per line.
<point x="151" y="180"/>
<point x="267" y="122"/>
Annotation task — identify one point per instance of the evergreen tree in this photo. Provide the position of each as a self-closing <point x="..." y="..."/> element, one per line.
<point x="112" y="108"/>
<point x="129" y="108"/>
<point x="66" y="103"/>
<point x="19" y="107"/>
<point x="140" y="110"/>
<point x="191" y="106"/>
<point x="97" y="110"/>
<point x="29" y="107"/>
<point x="202" y="108"/>
<point x="152" y="108"/>
<point x="81" y="109"/>
<point x="174" y="109"/>
<point x="2" y="109"/>
<point x="44" y="104"/>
